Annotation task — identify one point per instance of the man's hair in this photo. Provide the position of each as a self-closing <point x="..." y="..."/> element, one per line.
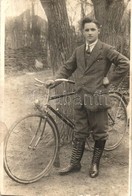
<point x="89" y="20"/>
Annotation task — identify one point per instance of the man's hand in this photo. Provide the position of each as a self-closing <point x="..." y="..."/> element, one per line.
<point x="50" y="83"/>
<point x="105" y="81"/>
<point x="53" y="83"/>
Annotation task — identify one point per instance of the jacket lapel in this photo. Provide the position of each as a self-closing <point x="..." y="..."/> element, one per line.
<point x="94" y="55"/>
<point x="81" y="56"/>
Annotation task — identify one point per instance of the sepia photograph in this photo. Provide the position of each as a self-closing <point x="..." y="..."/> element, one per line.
<point x="65" y="107"/>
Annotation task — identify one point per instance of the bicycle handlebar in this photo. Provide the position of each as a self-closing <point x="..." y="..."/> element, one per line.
<point x="64" y="80"/>
<point x="40" y="81"/>
<point x="56" y="81"/>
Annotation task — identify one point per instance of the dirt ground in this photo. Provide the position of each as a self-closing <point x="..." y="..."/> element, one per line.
<point x="114" y="170"/>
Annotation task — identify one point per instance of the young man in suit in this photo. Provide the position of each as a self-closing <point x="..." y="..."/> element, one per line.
<point x="91" y="61"/>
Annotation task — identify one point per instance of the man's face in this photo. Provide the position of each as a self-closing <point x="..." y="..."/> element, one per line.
<point x="91" y="32"/>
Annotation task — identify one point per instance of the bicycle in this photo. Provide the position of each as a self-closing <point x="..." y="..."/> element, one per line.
<point x="32" y="145"/>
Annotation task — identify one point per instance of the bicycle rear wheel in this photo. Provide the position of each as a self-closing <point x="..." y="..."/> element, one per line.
<point x="117" y="124"/>
<point x="24" y="162"/>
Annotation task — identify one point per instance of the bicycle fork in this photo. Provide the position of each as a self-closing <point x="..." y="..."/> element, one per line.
<point x="36" y="139"/>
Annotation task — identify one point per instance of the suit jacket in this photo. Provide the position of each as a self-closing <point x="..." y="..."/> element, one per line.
<point x="90" y="77"/>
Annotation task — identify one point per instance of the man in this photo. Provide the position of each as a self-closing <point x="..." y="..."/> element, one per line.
<point x="91" y="61"/>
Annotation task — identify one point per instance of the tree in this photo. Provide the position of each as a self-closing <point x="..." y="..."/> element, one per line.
<point x="60" y="36"/>
<point x="109" y="13"/>
<point x="125" y="29"/>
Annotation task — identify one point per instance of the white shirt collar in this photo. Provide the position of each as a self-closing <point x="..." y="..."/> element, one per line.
<point x="91" y="45"/>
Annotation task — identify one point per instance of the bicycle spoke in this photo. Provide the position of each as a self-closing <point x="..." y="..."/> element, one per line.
<point x="26" y="164"/>
<point x="117" y="122"/>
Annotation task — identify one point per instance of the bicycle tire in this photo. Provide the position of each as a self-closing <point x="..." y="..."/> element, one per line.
<point x="22" y="163"/>
<point x="118" y="114"/>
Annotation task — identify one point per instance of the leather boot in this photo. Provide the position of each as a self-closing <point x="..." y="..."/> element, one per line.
<point x="77" y="153"/>
<point x="98" y="150"/>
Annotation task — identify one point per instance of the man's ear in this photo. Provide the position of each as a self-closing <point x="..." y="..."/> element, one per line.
<point x="99" y="30"/>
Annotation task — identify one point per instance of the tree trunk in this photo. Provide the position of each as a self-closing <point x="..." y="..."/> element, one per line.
<point x="60" y="35"/>
<point x="109" y="14"/>
<point x="125" y="29"/>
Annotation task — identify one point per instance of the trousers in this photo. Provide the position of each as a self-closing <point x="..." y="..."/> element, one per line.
<point x="86" y="122"/>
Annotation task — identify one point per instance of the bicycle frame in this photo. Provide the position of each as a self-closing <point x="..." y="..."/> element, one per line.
<point x="40" y="125"/>
<point x="61" y="115"/>
<point x="47" y="107"/>
<point x="34" y="142"/>
<point x="58" y="113"/>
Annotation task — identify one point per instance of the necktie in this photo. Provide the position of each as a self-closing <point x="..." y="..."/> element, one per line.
<point x="88" y="50"/>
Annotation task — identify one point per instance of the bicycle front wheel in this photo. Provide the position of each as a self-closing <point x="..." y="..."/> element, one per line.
<point x="30" y="148"/>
